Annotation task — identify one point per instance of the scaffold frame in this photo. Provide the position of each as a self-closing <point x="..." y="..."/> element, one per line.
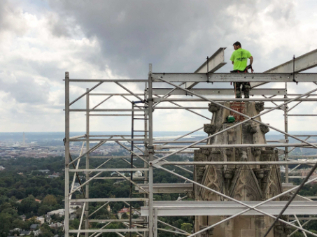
<point x="144" y="147"/>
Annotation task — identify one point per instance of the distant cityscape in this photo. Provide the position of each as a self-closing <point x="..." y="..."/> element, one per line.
<point x="15" y="150"/>
<point x="43" y="145"/>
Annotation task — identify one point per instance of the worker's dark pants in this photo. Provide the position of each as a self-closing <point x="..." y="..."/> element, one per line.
<point x="245" y="86"/>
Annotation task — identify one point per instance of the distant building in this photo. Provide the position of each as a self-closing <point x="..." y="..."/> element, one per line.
<point x="23" y="217"/>
<point x="1" y="168"/>
<point x="122" y="211"/>
<point x="76" y="205"/>
<point x="53" y="176"/>
<point x="16" y="230"/>
<point x="56" y="225"/>
<point x="41" y="219"/>
<point x="137" y="174"/>
<point x="37" y="232"/>
<point x="48" y="219"/>
<point x="25" y="232"/>
<point x="44" y="171"/>
<point x="37" y="200"/>
<point x="34" y="226"/>
<point x="60" y="212"/>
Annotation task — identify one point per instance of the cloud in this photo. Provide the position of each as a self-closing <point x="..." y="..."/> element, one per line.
<point x="10" y="19"/>
<point x="40" y="40"/>
<point x="178" y="35"/>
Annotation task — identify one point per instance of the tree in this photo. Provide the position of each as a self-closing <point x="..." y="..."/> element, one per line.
<point x="43" y="209"/>
<point x="124" y="216"/>
<point x="187" y="227"/>
<point x="46" y="231"/>
<point x="49" y="200"/>
<point x="6" y="221"/>
<point x="28" y="206"/>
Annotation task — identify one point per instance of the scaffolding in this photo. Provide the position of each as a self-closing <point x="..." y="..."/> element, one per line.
<point x="141" y="145"/>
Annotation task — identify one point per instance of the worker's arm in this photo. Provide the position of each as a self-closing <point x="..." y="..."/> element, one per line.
<point x="251" y="60"/>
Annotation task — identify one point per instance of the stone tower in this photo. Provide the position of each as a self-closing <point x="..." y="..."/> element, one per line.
<point x="242" y="182"/>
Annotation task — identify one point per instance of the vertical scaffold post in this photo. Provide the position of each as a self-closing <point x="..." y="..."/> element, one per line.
<point x="151" y="151"/>
<point x="131" y="163"/>
<point x="146" y="234"/>
<point x="66" y="141"/>
<point x="286" y="131"/>
<point x="87" y="164"/>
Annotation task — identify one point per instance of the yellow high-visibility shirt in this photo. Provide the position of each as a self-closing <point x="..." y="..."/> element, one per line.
<point x="240" y="59"/>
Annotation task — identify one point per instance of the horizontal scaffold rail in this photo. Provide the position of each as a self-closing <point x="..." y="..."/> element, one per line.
<point x="167" y="187"/>
<point x="220" y="91"/>
<point x="103" y="110"/>
<point x="109" y="170"/>
<point x="116" y="220"/>
<point x="230" y="99"/>
<point x="214" y="208"/>
<point x="108" y="80"/>
<point x="108" y="230"/>
<point x="111" y="200"/>
<point x="238" y="145"/>
<point x="177" y="187"/>
<point x="236" y="163"/>
<point x="108" y="140"/>
<point x="116" y="94"/>
<point x="234" y="77"/>
<point x="116" y="115"/>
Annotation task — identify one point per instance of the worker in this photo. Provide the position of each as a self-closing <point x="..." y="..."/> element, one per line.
<point x="239" y="60"/>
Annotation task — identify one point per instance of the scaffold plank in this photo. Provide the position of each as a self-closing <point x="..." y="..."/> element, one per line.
<point x="158" y="147"/>
<point x="167" y="187"/>
<point x="212" y="64"/>
<point x="234" y="77"/>
<point x="181" y="188"/>
<point x="302" y="63"/>
<point x="236" y="163"/>
<point x="218" y="208"/>
<point x="220" y="91"/>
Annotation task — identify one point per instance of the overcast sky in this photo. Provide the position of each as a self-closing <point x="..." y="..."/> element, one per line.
<point x="40" y="40"/>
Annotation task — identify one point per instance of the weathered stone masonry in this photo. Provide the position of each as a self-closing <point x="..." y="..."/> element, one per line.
<point x="242" y="182"/>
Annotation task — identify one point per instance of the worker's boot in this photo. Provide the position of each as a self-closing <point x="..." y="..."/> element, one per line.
<point x="246" y="91"/>
<point x="238" y="94"/>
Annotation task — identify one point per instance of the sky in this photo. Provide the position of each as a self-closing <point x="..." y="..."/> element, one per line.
<point x="112" y="39"/>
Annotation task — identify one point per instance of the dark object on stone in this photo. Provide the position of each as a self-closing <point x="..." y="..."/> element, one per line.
<point x="264" y="128"/>
<point x="259" y="173"/>
<point x="205" y="152"/>
<point x="209" y="128"/>
<point x="213" y="107"/>
<point x="229" y="174"/>
<point x="259" y="106"/>
<point x="256" y="151"/>
<point x="251" y="129"/>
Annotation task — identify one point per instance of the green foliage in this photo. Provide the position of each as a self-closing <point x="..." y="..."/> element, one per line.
<point x="124" y="216"/>
<point x="29" y="206"/>
<point x="49" y="200"/>
<point x="188" y="227"/>
<point x="46" y="231"/>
